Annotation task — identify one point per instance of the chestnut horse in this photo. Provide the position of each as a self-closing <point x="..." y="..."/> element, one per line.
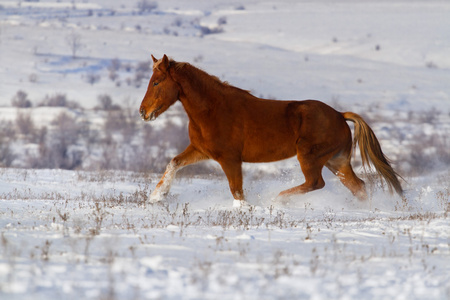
<point x="232" y="126"/>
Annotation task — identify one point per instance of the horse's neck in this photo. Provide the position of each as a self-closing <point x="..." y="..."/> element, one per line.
<point x="196" y="99"/>
<point x="197" y="108"/>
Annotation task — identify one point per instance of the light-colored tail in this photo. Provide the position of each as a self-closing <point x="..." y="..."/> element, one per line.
<point x="371" y="152"/>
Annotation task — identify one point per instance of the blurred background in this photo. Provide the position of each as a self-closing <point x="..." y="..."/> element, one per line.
<point x="73" y="74"/>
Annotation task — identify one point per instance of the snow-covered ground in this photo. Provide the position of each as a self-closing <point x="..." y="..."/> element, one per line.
<point x="91" y="235"/>
<point x="74" y="235"/>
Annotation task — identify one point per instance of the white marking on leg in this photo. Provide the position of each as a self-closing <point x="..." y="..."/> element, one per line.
<point x="239" y="200"/>
<point x="163" y="187"/>
<point x="240" y="204"/>
<point x="237" y="203"/>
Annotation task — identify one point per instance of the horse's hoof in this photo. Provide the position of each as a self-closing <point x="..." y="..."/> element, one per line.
<point x="281" y="200"/>
<point x="156" y="197"/>
<point x="240" y="204"/>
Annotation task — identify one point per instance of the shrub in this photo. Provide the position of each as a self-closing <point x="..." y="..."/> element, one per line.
<point x="92" y="78"/>
<point x="430" y="116"/>
<point x="105" y="103"/>
<point x="56" y="100"/>
<point x="7" y="156"/>
<point x="144" y="66"/>
<point x="33" y="78"/>
<point x="138" y="78"/>
<point x="198" y="58"/>
<point x="73" y="40"/>
<point x="21" y="100"/>
<point x="177" y="22"/>
<point x="25" y="124"/>
<point x="58" y="147"/>
<point x="204" y="30"/>
<point x="108" y="155"/>
<point x="222" y="21"/>
<point x="121" y="121"/>
<point x="115" y="65"/>
<point x="146" y="6"/>
<point x="431" y="65"/>
<point x="113" y="75"/>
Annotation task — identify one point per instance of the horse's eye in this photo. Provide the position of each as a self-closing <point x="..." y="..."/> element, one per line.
<point x="155" y="83"/>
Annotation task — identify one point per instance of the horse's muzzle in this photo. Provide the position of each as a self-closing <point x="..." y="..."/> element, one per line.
<point x="152" y="116"/>
<point x="142" y="113"/>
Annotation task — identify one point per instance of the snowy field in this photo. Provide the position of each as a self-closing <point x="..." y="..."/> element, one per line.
<point x="91" y="234"/>
<point x="71" y="235"/>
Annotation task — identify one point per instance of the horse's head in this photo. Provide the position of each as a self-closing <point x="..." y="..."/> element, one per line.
<point x="162" y="91"/>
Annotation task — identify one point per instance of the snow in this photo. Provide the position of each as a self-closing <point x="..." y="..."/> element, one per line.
<point x="91" y="235"/>
<point x="287" y="50"/>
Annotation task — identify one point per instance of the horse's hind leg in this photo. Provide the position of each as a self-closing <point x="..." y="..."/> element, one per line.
<point x="187" y="157"/>
<point x="311" y="167"/>
<point x="341" y="167"/>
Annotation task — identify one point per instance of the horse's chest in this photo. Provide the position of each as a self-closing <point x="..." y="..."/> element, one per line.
<point x="201" y="136"/>
<point x="211" y="140"/>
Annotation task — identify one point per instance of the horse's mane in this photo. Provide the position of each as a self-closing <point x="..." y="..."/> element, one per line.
<point x="203" y="78"/>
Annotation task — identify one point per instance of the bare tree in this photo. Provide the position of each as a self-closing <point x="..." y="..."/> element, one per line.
<point x="25" y="124"/>
<point x="73" y="40"/>
<point x="105" y="102"/>
<point x="7" y="155"/>
<point x="58" y="148"/>
<point x="21" y="100"/>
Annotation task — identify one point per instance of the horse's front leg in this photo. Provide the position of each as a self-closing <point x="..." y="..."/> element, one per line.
<point x="233" y="171"/>
<point x="187" y="157"/>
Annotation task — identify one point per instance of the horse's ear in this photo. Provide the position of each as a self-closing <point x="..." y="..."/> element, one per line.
<point x="154" y="59"/>
<point x="165" y="63"/>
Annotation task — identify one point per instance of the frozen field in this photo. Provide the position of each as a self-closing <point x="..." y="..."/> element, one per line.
<point x="91" y="234"/>
<point x="85" y="235"/>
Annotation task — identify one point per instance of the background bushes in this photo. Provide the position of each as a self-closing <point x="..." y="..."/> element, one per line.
<point x="112" y="136"/>
<point x="108" y="137"/>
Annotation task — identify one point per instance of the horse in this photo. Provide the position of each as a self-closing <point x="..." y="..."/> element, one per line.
<point x="231" y="126"/>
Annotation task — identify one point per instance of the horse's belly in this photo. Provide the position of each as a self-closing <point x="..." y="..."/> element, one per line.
<point x="267" y="152"/>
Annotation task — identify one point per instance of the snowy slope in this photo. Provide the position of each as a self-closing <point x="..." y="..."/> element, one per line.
<point x="287" y="50"/>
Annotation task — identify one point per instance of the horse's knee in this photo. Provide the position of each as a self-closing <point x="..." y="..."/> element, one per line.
<point x="174" y="162"/>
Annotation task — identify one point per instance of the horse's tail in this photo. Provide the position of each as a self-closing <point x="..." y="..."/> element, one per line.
<point x="371" y="152"/>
